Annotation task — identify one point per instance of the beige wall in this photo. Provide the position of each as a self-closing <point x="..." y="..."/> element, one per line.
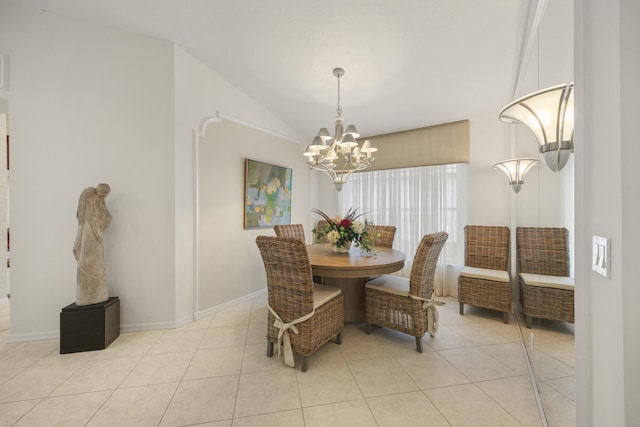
<point x="230" y="263"/>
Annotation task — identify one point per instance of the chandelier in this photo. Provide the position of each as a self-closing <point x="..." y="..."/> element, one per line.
<point x="340" y="156"/>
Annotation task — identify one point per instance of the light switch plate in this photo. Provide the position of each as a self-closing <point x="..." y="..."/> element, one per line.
<point x="601" y="257"/>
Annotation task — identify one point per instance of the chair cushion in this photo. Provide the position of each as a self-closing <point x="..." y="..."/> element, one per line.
<point x="323" y="294"/>
<point x="393" y="284"/>
<point x="485" y="273"/>
<point x="544" y="281"/>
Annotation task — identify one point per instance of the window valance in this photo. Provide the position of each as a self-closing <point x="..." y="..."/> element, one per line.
<point x="433" y="145"/>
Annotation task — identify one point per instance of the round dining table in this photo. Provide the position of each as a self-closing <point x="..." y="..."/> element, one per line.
<point x="350" y="271"/>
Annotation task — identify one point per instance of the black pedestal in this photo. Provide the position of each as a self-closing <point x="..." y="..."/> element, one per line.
<point x="89" y="327"/>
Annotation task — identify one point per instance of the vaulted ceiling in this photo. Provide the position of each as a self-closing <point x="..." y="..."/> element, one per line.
<point x="409" y="63"/>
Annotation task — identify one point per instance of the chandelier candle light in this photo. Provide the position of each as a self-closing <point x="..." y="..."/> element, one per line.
<point x="340" y="156"/>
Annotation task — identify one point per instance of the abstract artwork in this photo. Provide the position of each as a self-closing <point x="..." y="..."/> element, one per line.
<point x="267" y="200"/>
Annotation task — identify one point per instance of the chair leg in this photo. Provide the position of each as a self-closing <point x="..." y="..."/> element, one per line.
<point x="462" y="309"/>
<point x="305" y="363"/>
<point x="419" y="344"/>
<point x="269" y="349"/>
<point x="368" y="330"/>
<point x="505" y="317"/>
<point x="339" y="339"/>
<point x="527" y="321"/>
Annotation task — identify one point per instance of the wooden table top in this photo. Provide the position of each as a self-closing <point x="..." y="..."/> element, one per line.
<point x="326" y="262"/>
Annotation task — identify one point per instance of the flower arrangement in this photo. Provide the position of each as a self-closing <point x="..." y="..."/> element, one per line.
<point x="341" y="231"/>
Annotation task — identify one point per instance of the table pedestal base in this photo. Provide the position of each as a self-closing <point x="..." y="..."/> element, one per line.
<point x="353" y="294"/>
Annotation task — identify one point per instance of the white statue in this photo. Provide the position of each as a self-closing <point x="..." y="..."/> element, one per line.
<point x="93" y="219"/>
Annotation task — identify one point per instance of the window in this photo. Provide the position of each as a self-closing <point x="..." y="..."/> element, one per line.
<point x="417" y="201"/>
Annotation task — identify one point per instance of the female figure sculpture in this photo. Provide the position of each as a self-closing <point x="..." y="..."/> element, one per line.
<point x="88" y="249"/>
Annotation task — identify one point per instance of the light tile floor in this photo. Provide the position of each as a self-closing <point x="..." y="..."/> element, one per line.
<point x="551" y="349"/>
<point x="214" y="372"/>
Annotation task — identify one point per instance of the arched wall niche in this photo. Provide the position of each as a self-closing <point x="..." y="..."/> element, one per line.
<point x="228" y="268"/>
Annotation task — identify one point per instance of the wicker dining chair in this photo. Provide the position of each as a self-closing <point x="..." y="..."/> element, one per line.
<point x="382" y="235"/>
<point x="485" y="281"/>
<point x="290" y="230"/>
<point x="403" y="304"/>
<point x="546" y="290"/>
<point x="292" y="295"/>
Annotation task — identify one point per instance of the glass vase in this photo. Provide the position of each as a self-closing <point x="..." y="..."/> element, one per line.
<point x="343" y="248"/>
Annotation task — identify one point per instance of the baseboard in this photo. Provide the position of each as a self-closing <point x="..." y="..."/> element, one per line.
<point x="211" y="310"/>
<point x="153" y="326"/>
<point x="142" y="327"/>
<point x="33" y="336"/>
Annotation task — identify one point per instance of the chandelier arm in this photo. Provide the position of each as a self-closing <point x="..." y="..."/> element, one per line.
<point x="353" y="167"/>
<point x="345" y="175"/>
<point x="329" y="172"/>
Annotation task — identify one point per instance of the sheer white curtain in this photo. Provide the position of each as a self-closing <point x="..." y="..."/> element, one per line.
<point x="417" y="201"/>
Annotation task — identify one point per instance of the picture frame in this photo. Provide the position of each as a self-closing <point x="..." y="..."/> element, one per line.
<point x="267" y="194"/>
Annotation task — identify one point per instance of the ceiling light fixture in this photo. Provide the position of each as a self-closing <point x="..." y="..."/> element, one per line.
<point x="340" y="156"/>
<point x="549" y="114"/>
<point x="516" y="169"/>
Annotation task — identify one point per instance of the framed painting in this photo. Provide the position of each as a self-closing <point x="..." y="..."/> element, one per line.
<point x="267" y="194"/>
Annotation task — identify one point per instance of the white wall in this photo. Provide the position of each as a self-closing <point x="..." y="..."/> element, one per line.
<point x="630" y="209"/>
<point x="488" y="190"/>
<point x="88" y="105"/>
<point x="546" y="198"/>
<point x="201" y="94"/>
<point x="91" y="104"/>
<point x="607" y="204"/>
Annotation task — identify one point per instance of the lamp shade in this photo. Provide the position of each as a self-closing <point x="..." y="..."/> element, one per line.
<point x="368" y="147"/>
<point x="549" y="114"/>
<point x="319" y="143"/>
<point x="348" y="141"/>
<point x="324" y="134"/>
<point x="516" y="169"/>
<point x="351" y="129"/>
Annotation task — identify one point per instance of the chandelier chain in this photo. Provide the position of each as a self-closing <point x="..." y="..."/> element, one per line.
<point x="339" y="110"/>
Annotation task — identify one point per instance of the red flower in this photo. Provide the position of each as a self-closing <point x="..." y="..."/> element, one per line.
<point x="346" y="223"/>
